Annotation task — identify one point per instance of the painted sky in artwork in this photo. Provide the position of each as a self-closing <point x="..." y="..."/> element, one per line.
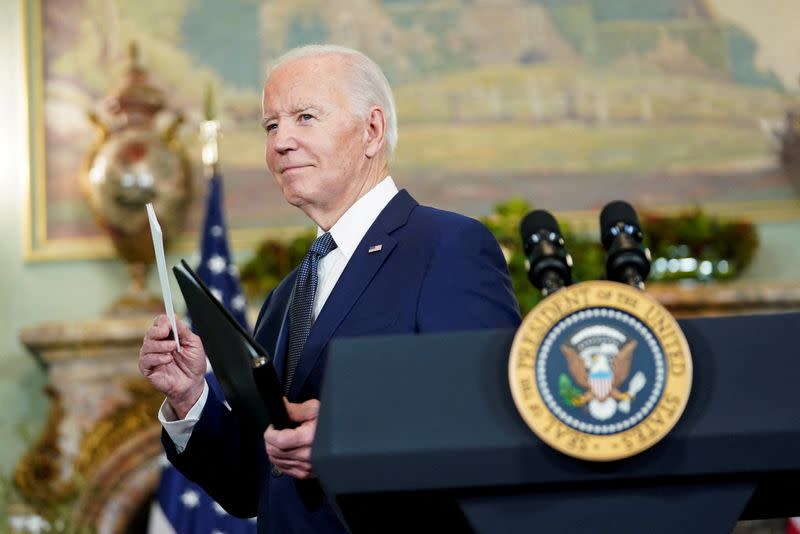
<point x="773" y="26"/>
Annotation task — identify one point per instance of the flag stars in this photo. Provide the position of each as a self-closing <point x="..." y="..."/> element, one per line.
<point x="190" y="498"/>
<point x="163" y="462"/>
<point x="216" y="264"/>
<point x="216" y="292"/>
<point x="216" y="230"/>
<point x="238" y="302"/>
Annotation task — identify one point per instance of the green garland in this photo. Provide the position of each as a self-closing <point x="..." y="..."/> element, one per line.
<point x="272" y="261"/>
<point x="727" y="247"/>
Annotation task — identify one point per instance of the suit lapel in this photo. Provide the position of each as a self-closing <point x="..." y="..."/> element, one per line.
<point x="355" y="278"/>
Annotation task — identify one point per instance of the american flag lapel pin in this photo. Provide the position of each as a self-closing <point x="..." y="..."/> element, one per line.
<point x="375" y="248"/>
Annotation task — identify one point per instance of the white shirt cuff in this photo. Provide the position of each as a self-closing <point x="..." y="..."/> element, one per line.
<point x="180" y="430"/>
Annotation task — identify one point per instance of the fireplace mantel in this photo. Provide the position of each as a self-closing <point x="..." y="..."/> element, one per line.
<point x="100" y="450"/>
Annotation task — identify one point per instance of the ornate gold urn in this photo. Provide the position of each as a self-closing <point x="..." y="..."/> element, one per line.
<point x="132" y="163"/>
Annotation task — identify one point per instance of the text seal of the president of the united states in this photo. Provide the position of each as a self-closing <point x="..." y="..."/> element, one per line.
<point x="600" y="371"/>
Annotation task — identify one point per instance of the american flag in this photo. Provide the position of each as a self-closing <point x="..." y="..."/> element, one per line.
<point x="793" y="525"/>
<point x="182" y="506"/>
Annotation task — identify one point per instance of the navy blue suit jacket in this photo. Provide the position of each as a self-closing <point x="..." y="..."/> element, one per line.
<point x="436" y="271"/>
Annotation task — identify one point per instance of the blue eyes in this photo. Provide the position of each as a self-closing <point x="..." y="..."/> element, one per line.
<point x="303" y="117"/>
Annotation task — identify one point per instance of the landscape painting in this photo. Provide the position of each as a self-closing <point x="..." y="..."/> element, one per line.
<point x="566" y="103"/>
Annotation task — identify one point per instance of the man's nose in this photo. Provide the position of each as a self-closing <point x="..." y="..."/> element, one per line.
<point x="284" y="139"/>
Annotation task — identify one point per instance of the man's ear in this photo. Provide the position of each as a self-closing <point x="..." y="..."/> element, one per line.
<point x="375" y="132"/>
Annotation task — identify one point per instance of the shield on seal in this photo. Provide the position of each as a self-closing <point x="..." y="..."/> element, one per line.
<point x="600" y="380"/>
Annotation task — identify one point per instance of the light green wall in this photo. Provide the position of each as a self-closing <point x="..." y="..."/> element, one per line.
<point x="778" y="256"/>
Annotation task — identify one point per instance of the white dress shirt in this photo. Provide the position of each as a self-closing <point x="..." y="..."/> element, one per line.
<point x="348" y="232"/>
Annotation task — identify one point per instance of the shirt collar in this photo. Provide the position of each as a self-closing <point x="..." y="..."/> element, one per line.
<point x="351" y="227"/>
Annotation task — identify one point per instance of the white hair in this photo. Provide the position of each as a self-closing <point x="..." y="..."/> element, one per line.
<point x="369" y="86"/>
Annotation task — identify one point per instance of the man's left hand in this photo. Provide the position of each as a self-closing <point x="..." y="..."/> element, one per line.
<point x="290" y="449"/>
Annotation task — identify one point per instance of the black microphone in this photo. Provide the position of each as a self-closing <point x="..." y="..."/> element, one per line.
<point x="548" y="264"/>
<point x="627" y="259"/>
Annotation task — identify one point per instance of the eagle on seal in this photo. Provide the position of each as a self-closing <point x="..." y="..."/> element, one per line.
<point x="601" y="380"/>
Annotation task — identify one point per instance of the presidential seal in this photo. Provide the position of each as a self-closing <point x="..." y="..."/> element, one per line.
<point x="600" y="371"/>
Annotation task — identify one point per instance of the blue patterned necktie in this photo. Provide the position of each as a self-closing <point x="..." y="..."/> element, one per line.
<point x="300" y="310"/>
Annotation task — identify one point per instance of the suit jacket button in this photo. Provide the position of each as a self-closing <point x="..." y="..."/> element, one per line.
<point x="275" y="472"/>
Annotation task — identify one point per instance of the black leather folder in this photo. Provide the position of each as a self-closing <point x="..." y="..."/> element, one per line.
<point x="243" y="368"/>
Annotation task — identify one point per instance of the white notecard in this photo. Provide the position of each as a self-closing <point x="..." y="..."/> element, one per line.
<point x="161" y="263"/>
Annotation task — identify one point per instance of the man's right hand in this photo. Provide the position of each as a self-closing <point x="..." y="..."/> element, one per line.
<point x="180" y="376"/>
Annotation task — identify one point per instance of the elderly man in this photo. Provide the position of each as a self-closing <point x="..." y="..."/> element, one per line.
<point x="381" y="264"/>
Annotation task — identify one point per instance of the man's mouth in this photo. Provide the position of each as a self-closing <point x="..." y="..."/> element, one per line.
<point x="293" y="167"/>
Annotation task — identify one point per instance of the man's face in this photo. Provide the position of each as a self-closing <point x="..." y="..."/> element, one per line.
<point x="315" y="145"/>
